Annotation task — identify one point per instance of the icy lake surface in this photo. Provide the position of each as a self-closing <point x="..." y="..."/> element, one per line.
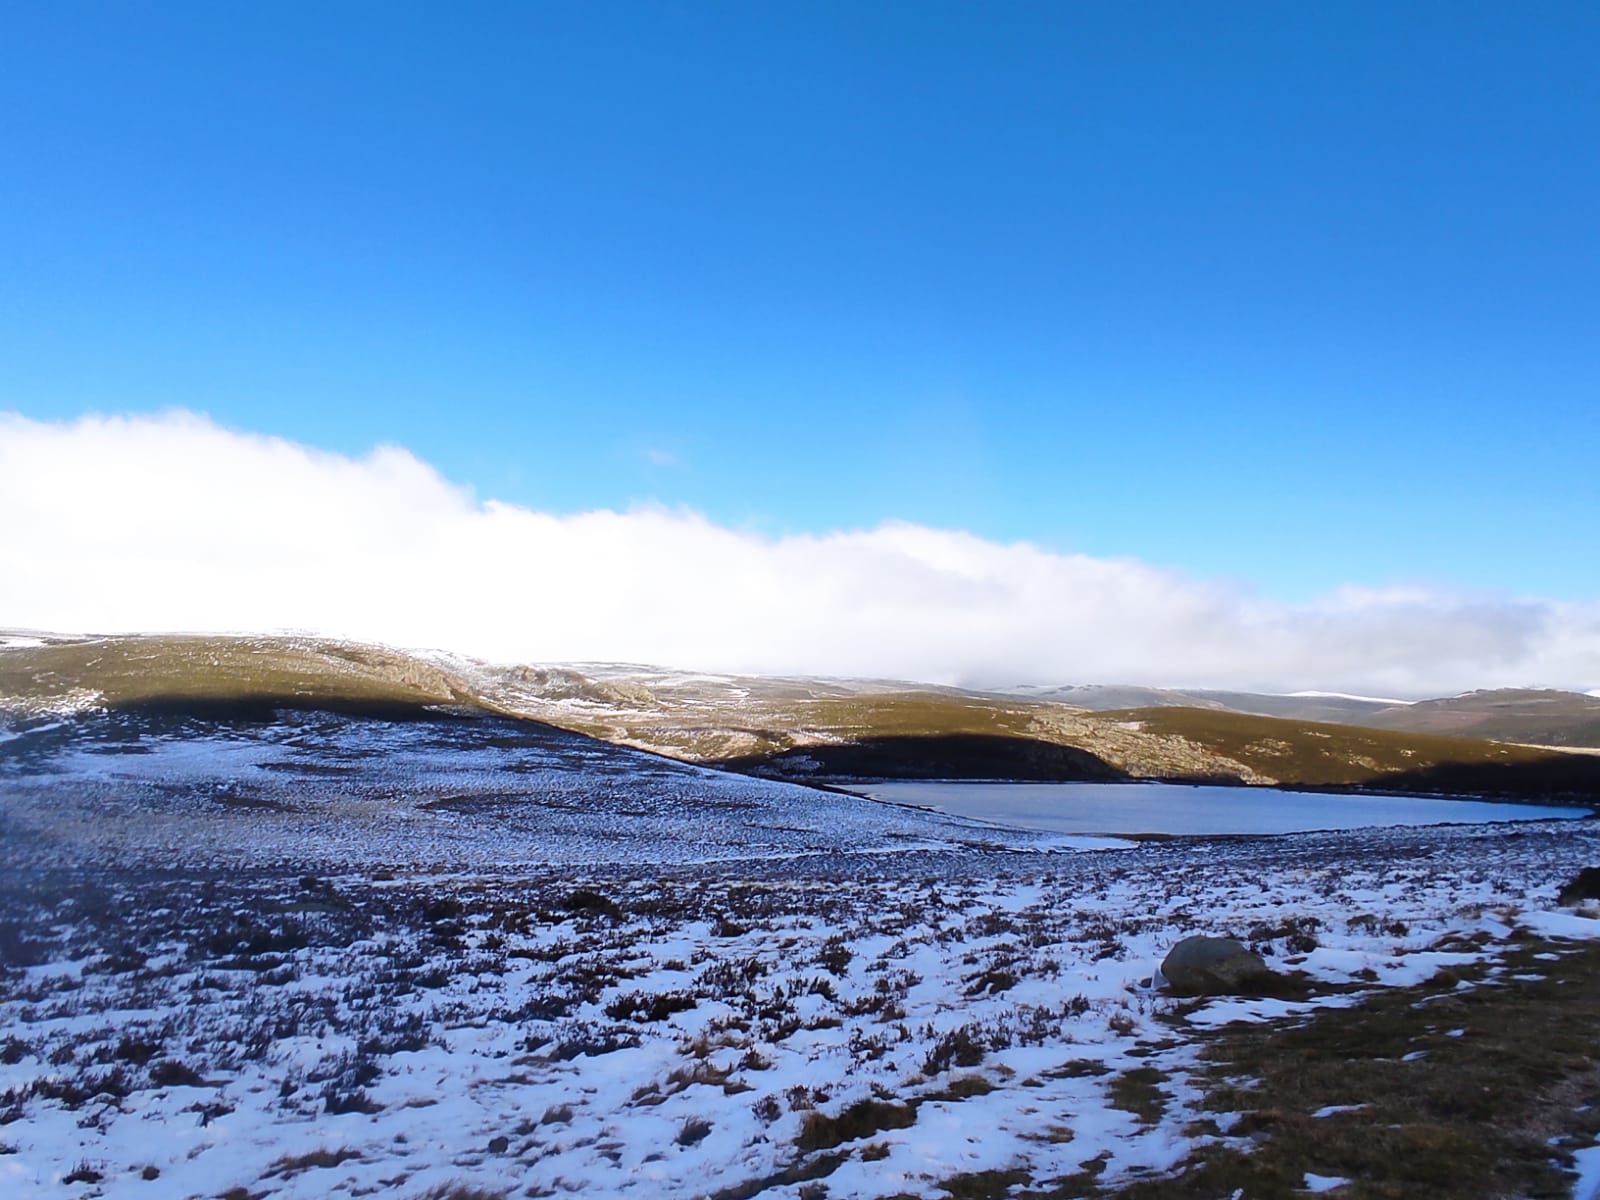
<point x="1131" y="808"/>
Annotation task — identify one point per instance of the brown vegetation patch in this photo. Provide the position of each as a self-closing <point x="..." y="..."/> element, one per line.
<point x="291" y="1165"/>
<point x="1139" y="1092"/>
<point x="1464" y="1092"/>
<point x="860" y="1120"/>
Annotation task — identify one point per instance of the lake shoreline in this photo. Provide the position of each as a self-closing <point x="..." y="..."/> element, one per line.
<point x="1164" y="810"/>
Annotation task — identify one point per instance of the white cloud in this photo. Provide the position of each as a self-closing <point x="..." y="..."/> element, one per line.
<point x="170" y="522"/>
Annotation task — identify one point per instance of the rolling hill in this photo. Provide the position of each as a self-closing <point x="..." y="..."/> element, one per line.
<point x="1534" y="716"/>
<point x="807" y="729"/>
<point x="1540" y="717"/>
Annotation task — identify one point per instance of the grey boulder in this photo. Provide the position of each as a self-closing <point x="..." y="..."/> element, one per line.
<point x="1215" y="966"/>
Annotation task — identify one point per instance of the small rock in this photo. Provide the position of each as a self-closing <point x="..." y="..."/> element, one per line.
<point x="499" y="1144"/>
<point x="1585" y="885"/>
<point x="1214" y="966"/>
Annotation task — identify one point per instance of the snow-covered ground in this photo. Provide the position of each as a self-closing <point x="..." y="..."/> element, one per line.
<point x="337" y="790"/>
<point x="328" y="956"/>
<point x="885" y="1025"/>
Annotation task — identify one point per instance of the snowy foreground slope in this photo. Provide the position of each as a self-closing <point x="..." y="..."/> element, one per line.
<point x="442" y="790"/>
<point x="336" y="956"/>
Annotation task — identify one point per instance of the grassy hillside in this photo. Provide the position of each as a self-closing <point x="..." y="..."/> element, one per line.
<point x="917" y="734"/>
<point x="792" y="727"/>
<point x="151" y="671"/>
<point x="1536" y="716"/>
<point x="789" y="728"/>
<point x="1321" y="755"/>
<point x="1304" y="707"/>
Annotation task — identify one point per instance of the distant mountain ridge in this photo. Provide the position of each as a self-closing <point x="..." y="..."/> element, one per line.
<point x="1300" y="706"/>
<point x="1534" y="716"/>
<point x="831" y="729"/>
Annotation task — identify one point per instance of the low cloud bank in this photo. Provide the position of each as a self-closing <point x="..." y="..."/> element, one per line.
<point x="170" y="522"/>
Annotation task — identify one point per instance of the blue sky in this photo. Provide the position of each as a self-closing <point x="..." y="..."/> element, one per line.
<point x="1293" y="295"/>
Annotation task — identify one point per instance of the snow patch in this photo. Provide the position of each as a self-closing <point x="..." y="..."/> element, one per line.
<point x="1587" y="1186"/>
<point x="1316" y="695"/>
<point x="1323" y="1183"/>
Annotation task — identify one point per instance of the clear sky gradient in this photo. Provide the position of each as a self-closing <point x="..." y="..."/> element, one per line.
<point x="1296" y="295"/>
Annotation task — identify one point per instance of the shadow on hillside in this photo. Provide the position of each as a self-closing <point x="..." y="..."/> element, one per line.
<point x="933" y="756"/>
<point x="123" y="727"/>
<point x="259" y="708"/>
<point x="1559" y="777"/>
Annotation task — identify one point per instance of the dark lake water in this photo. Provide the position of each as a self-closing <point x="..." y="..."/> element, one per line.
<point x="1129" y="808"/>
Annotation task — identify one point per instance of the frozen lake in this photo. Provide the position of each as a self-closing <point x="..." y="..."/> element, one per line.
<point x="1133" y="808"/>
